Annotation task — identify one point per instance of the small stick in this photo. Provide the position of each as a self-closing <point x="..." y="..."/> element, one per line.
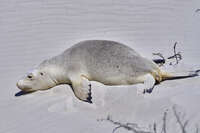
<point x="177" y="56"/>
<point x="182" y="125"/>
<point x="162" y="61"/>
<point x="128" y="126"/>
<point x="197" y="10"/>
<point x="164" y="123"/>
<point x="197" y="129"/>
<point x="159" y="61"/>
<point x="175" y="52"/>
<point x="154" y="128"/>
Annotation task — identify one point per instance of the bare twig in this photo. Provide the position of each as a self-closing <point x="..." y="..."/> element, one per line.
<point x="163" y="129"/>
<point x="154" y="128"/>
<point x="164" y="123"/>
<point x="177" y="56"/>
<point x="128" y="126"/>
<point x="160" y="55"/>
<point x="175" y="52"/>
<point x="162" y="61"/>
<point x="159" y="61"/>
<point x="197" y="129"/>
<point x="181" y="123"/>
<point x="197" y="10"/>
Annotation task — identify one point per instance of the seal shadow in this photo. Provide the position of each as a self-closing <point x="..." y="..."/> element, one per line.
<point x="21" y="93"/>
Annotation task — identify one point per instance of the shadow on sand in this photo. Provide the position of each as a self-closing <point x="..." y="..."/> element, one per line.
<point x="21" y="93"/>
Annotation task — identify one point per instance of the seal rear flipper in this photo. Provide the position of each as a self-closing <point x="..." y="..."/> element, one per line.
<point x="82" y="88"/>
<point x="180" y="75"/>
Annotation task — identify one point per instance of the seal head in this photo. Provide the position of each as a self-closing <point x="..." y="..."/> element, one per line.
<point x="36" y="80"/>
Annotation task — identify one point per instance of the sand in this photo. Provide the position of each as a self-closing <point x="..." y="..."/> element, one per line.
<point x="33" y="30"/>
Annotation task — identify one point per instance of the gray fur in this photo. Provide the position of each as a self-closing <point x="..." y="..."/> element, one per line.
<point x="108" y="62"/>
<point x="101" y="60"/>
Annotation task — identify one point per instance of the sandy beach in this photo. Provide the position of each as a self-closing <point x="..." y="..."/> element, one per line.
<point x="31" y="31"/>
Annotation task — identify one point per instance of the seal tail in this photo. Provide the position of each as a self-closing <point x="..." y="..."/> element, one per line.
<point x="182" y="75"/>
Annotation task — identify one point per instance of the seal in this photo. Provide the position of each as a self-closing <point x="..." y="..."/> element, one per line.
<point x="108" y="62"/>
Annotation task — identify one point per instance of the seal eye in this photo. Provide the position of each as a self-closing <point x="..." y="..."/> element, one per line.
<point x="41" y="73"/>
<point x="29" y="76"/>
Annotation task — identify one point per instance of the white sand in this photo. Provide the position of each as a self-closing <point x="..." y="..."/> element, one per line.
<point x="33" y="30"/>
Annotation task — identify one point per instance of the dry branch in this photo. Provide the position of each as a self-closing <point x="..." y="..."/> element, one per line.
<point x="159" y="61"/>
<point x="197" y="10"/>
<point x="137" y="129"/>
<point x="197" y="129"/>
<point x="128" y="126"/>
<point x="176" y="55"/>
<point x="162" y="61"/>
<point x="154" y="128"/>
<point x="182" y="124"/>
<point x="164" y="130"/>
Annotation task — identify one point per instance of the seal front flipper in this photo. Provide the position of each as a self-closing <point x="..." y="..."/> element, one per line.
<point x="82" y="88"/>
<point x="148" y="82"/>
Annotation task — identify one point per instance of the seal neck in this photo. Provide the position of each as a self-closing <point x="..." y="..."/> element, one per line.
<point x="55" y="69"/>
<point x="58" y="75"/>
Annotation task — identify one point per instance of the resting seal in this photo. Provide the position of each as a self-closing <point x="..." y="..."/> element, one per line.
<point x="108" y="62"/>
